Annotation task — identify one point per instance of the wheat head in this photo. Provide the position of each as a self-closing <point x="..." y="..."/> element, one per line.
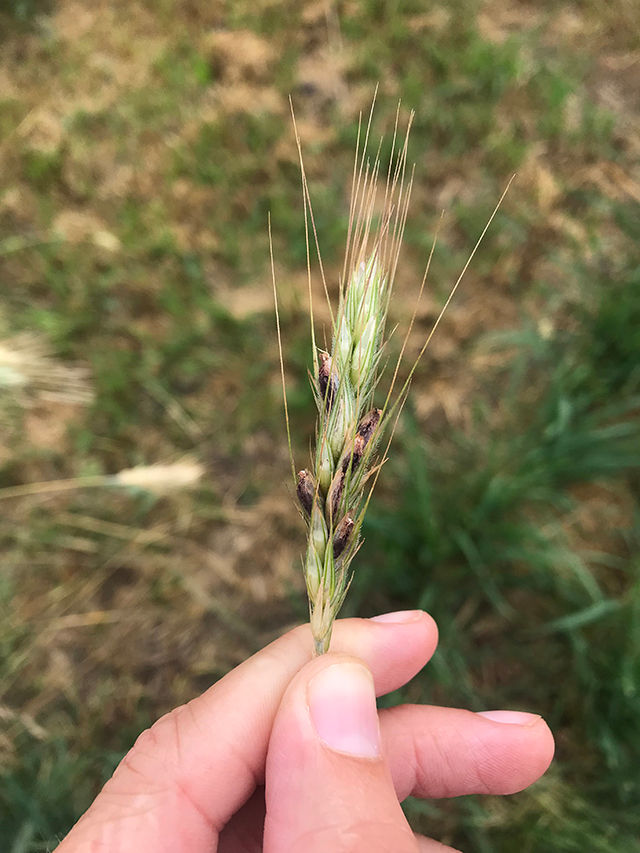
<point x="334" y="491"/>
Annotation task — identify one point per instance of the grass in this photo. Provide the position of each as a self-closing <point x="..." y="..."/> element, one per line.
<point x="519" y="506"/>
<point x="23" y="12"/>
<point x="135" y="185"/>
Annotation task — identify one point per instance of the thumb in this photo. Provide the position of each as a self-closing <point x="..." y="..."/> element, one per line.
<point x="328" y="786"/>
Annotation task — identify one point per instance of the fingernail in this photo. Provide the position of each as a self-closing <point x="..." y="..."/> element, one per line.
<point x="342" y="704"/>
<point x="398" y="616"/>
<point x="516" y="718"/>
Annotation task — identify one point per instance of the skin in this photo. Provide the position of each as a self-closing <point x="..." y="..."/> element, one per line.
<point x="242" y="767"/>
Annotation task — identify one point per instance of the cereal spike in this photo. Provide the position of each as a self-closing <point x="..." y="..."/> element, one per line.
<point x="365" y="354"/>
<point x="332" y="492"/>
<point x="352" y="457"/>
<point x="344" y="345"/>
<point x="342" y="535"/>
<point x="324" y="464"/>
<point x="346" y="377"/>
<point x="369" y="424"/>
<point x="342" y="419"/>
<point x="327" y="379"/>
<point x="305" y="490"/>
<point x="318" y="530"/>
<point x="334" y="495"/>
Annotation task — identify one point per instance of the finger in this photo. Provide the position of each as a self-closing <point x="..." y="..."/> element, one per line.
<point x="197" y="765"/>
<point x="328" y="786"/>
<point x="448" y="752"/>
<point x="442" y="752"/>
<point x="245" y="829"/>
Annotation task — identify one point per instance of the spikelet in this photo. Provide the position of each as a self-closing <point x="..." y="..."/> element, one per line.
<point x="333" y="494"/>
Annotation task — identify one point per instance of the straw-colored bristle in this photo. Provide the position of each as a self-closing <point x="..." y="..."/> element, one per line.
<point x="160" y="479"/>
<point x="28" y="369"/>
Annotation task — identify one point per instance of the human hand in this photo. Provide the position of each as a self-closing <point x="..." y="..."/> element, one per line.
<point x="284" y="754"/>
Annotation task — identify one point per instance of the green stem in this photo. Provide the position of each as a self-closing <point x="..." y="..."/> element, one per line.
<point x="321" y="644"/>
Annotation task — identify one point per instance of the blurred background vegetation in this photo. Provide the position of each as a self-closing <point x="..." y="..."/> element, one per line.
<point x="141" y="146"/>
